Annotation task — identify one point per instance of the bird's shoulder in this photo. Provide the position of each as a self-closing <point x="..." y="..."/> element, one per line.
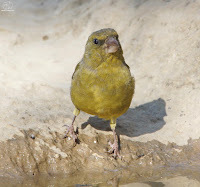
<point x="125" y="64"/>
<point x="77" y="68"/>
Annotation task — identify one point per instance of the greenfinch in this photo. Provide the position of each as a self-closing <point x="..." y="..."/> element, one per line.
<point x="102" y="84"/>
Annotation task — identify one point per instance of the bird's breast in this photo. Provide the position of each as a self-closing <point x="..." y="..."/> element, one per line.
<point x="106" y="92"/>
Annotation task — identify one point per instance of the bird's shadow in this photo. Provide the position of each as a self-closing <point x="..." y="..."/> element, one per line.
<point x="144" y="119"/>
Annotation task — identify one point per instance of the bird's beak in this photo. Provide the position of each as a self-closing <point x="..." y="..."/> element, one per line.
<point x="111" y="45"/>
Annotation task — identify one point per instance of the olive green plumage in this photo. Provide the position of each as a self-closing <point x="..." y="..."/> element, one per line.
<point x="102" y="84"/>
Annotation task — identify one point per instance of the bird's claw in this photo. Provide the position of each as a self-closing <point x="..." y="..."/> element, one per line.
<point x="72" y="133"/>
<point x="114" y="149"/>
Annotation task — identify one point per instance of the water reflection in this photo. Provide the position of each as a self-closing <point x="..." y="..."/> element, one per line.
<point x="140" y="177"/>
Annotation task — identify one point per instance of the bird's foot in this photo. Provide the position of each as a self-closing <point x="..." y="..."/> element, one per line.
<point x="72" y="133"/>
<point x="114" y="149"/>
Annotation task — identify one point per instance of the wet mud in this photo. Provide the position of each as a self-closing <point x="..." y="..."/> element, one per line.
<point x="52" y="161"/>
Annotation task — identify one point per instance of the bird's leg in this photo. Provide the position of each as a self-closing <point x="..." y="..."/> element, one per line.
<point x="114" y="147"/>
<point x="70" y="128"/>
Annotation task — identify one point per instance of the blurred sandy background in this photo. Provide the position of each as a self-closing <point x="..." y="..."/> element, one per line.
<point x="42" y="41"/>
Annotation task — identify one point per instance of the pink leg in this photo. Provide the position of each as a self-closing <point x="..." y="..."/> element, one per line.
<point x="114" y="147"/>
<point x="70" y="130"/>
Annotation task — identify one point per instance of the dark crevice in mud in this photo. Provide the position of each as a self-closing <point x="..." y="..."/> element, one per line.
<point x="23" y="157"/>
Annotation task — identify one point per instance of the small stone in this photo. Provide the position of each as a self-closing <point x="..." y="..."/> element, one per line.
<point x="95" y="141"/>
<point x="32" y="136"/>
<point x="45" y="37"/>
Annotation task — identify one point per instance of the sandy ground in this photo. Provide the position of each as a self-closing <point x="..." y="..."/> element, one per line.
<point x="42" y="41"/>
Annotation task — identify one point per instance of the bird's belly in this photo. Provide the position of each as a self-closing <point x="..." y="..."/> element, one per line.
<point x="106" y="99"/>
<point x="111" y="102"/>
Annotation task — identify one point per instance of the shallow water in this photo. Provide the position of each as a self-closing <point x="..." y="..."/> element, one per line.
<point x="176" y="176"/>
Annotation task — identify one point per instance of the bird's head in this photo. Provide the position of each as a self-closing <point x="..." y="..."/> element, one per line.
<point x="101" y="45"/>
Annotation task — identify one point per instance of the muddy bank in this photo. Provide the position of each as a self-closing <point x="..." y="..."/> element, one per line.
<point x="34" y="154"/>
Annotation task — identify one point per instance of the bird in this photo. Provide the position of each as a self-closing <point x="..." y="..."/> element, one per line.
<point x="102" y="83"/>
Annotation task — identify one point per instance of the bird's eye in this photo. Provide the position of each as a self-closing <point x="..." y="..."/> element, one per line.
<point x="96" y="41"/>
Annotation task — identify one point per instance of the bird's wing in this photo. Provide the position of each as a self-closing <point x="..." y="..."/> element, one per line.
<point x="76" y="68"/>
<point x="126" y="64"/>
